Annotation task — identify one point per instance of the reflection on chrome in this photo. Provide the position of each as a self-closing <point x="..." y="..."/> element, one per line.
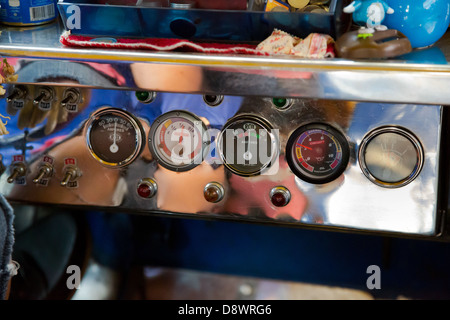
<point x="350" y="200"/>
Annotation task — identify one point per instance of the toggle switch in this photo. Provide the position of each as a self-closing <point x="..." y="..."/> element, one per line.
<point x="70" y="99"/>
<point x="280" y="196"/>
<point x="71" y="173"/>
<point x="44" y="98"/>
<point x="19" y="92"/>
<point x="18" y="170"/>
<point x="45" y="171"/>
<point x="213" y="192"/>
<point x="147" y="188"/>
<point x="16" y="100"/>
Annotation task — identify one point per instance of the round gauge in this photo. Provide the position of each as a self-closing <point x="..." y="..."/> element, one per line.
<point x="114" y="137"/>
<point x="317" y="153"/>
<point x="247" y="145"/>
<point x="177" y="141"/>
<point x="391" y="156"/>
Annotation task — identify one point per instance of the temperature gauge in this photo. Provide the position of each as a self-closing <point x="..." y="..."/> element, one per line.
<point x="176" y="140"/>
<point x="391" y="157"/>
<point x="317" y="153"/>
<point x="114" y="137"/>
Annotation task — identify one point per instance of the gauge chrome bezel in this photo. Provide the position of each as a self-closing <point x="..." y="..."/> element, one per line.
<point x="264" y="124"/>
<point x="301" y="173"/>
<point x="137" y="127"/>
<point x="397" y="130"/>
<point x="190" y="117"/>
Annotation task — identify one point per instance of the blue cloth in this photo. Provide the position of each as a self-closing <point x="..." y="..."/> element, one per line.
<point x="6" y="244"/>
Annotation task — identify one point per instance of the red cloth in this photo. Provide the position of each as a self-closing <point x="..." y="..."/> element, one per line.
<point x="159" y="44"/>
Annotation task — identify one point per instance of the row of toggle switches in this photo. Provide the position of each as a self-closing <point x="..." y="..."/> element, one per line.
<point x="44" y="98"/>
<point x="71" y="172"/>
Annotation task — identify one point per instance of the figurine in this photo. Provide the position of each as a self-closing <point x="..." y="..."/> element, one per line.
<point x="369" y="13"/>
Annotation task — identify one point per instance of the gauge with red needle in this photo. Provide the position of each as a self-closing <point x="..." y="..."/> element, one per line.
<point x="176" y="140"/>
<point x="317" y="153"/>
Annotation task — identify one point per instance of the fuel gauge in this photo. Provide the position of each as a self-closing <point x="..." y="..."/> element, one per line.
<point x="114" y="137"/>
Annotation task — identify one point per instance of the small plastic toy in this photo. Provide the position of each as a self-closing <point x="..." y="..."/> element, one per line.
<point x="378" y="45"/>
<point x="369" y="13"/>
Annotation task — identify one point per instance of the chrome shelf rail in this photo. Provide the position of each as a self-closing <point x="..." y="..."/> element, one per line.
<point x="422" y="77"/>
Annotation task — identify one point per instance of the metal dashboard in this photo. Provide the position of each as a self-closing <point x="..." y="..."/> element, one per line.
<point x="56" y="136"/>
<point x="354" y="103"/>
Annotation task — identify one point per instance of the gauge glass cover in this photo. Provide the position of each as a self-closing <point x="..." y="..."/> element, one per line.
<point x="317" y="153"/>
<point x="178" y="140"/>
<point x="391" y="156"/>
<point x="114" y="137"/>
<point x="248" y="145"/>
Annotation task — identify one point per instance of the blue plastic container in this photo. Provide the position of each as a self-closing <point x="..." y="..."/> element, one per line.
<point x="423" y="21"/>
<point x="199" y="24"/>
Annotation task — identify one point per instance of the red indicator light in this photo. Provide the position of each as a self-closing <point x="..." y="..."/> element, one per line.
<point x="213" y="192"/>
<point x="280" y="196"/>
<point x="144" y="190"/>
<point x="211" y="195"/>
<point x="279" y="200"/>
<point x="147" y="188"/>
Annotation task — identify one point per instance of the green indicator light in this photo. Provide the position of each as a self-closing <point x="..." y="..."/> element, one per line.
<point x="142" y="95"/>
<point x="280" y="102"/>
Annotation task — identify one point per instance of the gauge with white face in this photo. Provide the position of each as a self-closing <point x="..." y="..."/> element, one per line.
<point x="176" y="140"/>
<point x="391" y="157"/>
<point x="114" y="137"/>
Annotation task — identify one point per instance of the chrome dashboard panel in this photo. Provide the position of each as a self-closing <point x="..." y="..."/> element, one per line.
<point x="351" y="202"/>
<point x="421" y="77"/>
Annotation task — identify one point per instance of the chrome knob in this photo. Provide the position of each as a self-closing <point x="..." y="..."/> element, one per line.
<point x="18" y="170"/>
